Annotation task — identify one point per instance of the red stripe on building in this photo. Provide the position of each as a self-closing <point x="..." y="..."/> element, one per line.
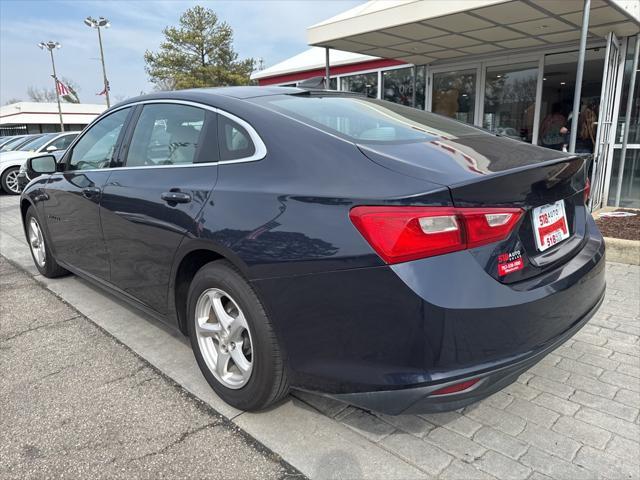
<point x="337" y="70"/>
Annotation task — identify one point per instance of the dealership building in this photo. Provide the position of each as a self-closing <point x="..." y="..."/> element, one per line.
<point x="510" y="66"/>
<point x="37" y="117"/>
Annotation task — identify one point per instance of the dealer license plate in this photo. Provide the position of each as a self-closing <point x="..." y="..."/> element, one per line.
<point x="550" y="225"/>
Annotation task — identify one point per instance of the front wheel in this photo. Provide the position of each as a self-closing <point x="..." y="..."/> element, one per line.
<point x="232" y="339"/>
<point x="9" y="180"/>
<point x="40" y="251"/>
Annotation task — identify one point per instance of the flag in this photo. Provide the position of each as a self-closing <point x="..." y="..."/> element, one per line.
<point x="61" y="88"/>
<point x="104" y="90"/>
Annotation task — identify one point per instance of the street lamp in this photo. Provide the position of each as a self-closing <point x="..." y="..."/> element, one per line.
<point x="51" y="46"/>
<point x="98" y="24"/>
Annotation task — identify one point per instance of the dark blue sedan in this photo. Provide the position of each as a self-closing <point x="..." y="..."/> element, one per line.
<point x="384" y="256"/>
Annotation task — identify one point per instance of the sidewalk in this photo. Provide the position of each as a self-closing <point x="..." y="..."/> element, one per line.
<point x="78" y="403"/>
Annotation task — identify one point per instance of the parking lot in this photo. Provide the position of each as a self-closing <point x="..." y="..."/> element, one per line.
<point x="575" y="415"/>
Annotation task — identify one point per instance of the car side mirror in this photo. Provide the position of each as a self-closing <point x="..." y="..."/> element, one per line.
<point x="42" y="165"/>
<point x="51" y="148"/>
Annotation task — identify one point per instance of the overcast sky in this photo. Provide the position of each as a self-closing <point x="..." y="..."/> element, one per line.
<point x="272" y="30"/>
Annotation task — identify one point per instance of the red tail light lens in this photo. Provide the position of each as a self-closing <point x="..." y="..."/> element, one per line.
<point x="587" y="191"/>
<point x="401" y="234"/>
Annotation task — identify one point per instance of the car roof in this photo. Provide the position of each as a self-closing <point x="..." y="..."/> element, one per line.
<point x="239" y="93"/>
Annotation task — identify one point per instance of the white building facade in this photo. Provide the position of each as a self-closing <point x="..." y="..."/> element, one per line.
<point x="505" y="65"/>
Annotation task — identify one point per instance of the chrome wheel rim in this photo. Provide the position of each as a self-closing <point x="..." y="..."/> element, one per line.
<point x="36" y="242"/>
<point x="224" y="338"/>
<point x="12" y="181"/>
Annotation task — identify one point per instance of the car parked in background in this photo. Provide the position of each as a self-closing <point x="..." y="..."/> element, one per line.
<point x="16" y="142"/>
<point x="389" y="257"/>
<point x="10" y="162"/>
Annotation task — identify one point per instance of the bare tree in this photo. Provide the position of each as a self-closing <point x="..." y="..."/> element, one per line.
<point x="45" y="95"/>
<point x="41" y="95"/>
<point x="12" y="100"/>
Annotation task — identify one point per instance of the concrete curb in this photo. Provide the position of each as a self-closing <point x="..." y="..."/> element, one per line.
<point x="622" y="251"/>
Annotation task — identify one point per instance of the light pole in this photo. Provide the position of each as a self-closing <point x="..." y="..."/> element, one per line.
<point x="97" y="24"/>
<point x="51" y="46"/>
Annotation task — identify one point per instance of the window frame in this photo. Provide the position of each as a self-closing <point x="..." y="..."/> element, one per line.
<point x="129" y="126"/>
<point x="204" y="134"/>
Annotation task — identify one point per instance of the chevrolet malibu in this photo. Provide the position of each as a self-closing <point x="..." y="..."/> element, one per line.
<point x="384" y="256"/>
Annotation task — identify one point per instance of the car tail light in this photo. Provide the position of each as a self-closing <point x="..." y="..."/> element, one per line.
<point x="400" y="234"/>
<point x="587" y="191"/>
<point x="456" y="387"/>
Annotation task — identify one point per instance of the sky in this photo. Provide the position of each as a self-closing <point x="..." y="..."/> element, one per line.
<point x="269" y="29"/>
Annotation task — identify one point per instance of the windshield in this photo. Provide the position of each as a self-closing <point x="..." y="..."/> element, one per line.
<point x="364" y="120"/>
<point x="12" y="144"/>
<point x="36" y="143"/>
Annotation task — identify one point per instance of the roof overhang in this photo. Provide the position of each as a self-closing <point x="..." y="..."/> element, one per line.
<point x="426" y="31"/>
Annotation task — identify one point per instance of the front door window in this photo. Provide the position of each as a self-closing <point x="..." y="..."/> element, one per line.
<point x="97" y="146"/>
<point x="454" y="95"/>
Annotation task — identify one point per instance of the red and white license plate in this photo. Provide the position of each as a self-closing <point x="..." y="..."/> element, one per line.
<point x="550" y="225"/>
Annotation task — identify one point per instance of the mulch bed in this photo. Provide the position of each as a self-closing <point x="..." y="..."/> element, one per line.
<point x="621" y="227"/>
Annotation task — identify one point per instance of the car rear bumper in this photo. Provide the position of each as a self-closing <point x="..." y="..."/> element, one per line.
<point x="386" y="338"/>
<point x="422" y="400"/>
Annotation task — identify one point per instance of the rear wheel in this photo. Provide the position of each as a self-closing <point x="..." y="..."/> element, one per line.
<point x="233" y="340"/>
<point x="9" y="180"/>
<point x="40" y="251"/>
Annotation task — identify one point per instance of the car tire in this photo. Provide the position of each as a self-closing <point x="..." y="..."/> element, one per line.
<point x="255" y="375"/>
<point x="9" y="181"/>
<point x="39" y="246"/>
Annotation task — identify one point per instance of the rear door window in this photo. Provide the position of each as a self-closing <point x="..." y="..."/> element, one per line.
<point x="166" y="134"/>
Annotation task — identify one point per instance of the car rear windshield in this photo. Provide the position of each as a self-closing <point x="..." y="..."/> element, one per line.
<point x="364" y="120"/>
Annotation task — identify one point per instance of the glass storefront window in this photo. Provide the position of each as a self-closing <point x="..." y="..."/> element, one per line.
<point x="454" y="94"/>
<point x="630" y="191"/>
<point x="366" y="83"/>
<point x="558" y="85"/>
<point x="510" y="100"/>
<point x="397" y="86"/>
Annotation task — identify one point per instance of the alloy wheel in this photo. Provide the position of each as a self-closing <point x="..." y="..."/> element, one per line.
<point x="224" y="338"/>
<point x="36" y="242"/>
<point x="11" y="181"/>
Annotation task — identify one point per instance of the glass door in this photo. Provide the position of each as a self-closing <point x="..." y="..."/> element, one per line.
<point x="604" y="136"/>
<point x="624" y="181"/>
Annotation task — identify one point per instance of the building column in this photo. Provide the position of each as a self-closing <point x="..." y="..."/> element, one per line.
<point x="579" y="71"/>
<point x="326" y="69"/>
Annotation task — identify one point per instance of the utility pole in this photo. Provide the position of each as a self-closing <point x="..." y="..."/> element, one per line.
<point x="51" y="46"/>
<point x="97" y="24"/>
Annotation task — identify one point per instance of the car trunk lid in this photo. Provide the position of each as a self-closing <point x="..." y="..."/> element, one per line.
<point x="489" y="171"/>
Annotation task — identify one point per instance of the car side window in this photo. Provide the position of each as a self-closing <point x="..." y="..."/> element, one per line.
<point x="234" y="140"/>
<point x="97" y="146"/>
<point x="166" y="134"/>
<point x="61" y="143"/>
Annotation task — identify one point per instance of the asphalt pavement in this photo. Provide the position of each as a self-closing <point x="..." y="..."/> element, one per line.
<point x="77" y="403"/>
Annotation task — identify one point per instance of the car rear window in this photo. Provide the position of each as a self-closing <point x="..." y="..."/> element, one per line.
<point x="363" y="120"/>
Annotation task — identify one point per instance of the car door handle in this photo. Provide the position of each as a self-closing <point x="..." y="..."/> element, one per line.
<point x="91" y="191"/>
<point x="175" y="197"/>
